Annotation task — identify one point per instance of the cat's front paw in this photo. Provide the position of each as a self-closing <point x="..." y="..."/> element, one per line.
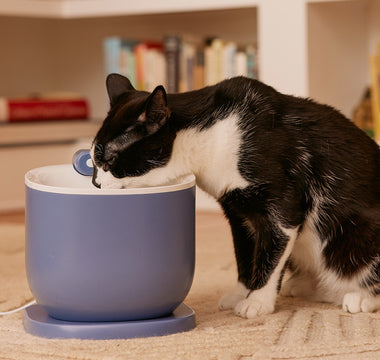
<point x="355" y="302"/>
<point x="352" y="302"/>
<point x="230" y="300"/>
<point x="251" y="307"/>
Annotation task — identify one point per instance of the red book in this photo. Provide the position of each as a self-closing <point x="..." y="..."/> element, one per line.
<point x="42" y="109"/>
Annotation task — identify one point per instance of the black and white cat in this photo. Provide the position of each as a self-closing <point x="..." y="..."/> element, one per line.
<point x="298" y="182"/>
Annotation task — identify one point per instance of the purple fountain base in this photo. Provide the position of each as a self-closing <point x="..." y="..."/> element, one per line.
<point x="37" y="322"/>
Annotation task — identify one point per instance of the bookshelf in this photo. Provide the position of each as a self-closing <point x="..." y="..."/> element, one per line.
<point x="316" y="48"/>
<point x="24" y="146"/>
<point x="306" y="47"/>
<point x="44" y="133"/>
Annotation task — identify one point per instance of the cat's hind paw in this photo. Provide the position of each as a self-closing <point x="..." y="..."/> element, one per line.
<point x="287" y="289"/>
<point x="230" y="300"/>
<point x="299" y="285"/>
<point x="355" y="302"/>
<point x="250" y="308"/>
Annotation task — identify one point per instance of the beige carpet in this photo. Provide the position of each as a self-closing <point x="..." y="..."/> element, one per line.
<point x="297" y="330"/>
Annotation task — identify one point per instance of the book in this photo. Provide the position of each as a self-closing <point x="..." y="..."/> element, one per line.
<point x="127" y="60"/>
<point x="43" y="109"/>
<point x="224" y="60"/>
<point x="179" y="63"/>
<point x="111" y="51"/>
<point x="375" y="92"/>
<point x="241" y="65"/>
<point x="199" y="70"/>
<point x="186" y="66"/>
<point x="155" y="66"/>
<point x="150" y="65"/>
<point x="213" y="61"/>
<point x="229" y="57"/>
<point x="119" y="57"/>
<point x="252" y="63"/>
<point x="172" y="46"/>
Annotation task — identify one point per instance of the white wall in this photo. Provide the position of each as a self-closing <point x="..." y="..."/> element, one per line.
<point x="26" y="56"/>
<point x="283" y="46"/>
<point x="374" y="25"/>
<point x="338" y="53"/>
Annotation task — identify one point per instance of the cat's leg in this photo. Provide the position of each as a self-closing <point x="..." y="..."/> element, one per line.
<point x="243" y="238"/>
<point x="359" y="265"/>
<point x="272" y="249"/>
<point x="299" y="284"/>
<point x="355" y="302"/>
<point x="231" y="299"/>
<point x="370" y="304"/>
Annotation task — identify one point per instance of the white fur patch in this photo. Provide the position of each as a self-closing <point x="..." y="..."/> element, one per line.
<point x="262" y="301"/>
<point x="332" y="288"/>
<point x="313" y="280"/>
<point x="355" y="302"/>
<point x="231" y="299"/>
<point x="307" y="252"/>
<point x="211" y="155"/>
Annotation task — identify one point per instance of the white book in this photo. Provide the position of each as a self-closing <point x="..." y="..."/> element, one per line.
<point x="241" y="64"/>
<point x="229" y="57"/>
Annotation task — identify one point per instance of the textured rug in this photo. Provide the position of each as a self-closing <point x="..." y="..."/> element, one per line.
<point x="297" y="329"/>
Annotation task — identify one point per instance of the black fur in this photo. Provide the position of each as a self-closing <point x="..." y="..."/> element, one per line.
<point x="297" y="155"/>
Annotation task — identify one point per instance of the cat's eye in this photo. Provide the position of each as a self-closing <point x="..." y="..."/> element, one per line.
<point x="99" y="151"/>
<point x="111" y="161"/>
<point x="108" y="163"/>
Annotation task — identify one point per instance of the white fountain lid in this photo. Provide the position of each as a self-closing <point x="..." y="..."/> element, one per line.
<point x="64" y="179"/>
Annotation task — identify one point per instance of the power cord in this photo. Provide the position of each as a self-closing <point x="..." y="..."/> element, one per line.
<point x="18" y="309"/>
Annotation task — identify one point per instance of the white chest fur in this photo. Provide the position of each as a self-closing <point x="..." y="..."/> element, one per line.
<point x="212" y="155"/>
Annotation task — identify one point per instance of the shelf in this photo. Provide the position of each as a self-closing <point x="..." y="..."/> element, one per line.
<point x="40" y="133"/>
<point x="306" y="47"/>
<point x="65" y="9"/>
<point x="24" y="146"/>
<point x="95" y="8"/>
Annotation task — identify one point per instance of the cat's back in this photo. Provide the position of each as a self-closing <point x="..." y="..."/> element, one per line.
<point x="283" y="128"/>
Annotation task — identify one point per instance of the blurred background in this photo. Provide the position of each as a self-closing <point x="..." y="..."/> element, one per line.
<point x="55" y="56"/>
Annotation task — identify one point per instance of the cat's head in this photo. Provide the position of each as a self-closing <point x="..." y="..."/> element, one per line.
<point x="135" y="137"/>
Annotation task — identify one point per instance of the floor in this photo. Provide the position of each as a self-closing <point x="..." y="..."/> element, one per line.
<point x="296" y="330"/>
<point x="14" y="217"/>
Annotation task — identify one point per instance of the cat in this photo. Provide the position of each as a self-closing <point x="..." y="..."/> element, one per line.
<point x="297" y="181"/>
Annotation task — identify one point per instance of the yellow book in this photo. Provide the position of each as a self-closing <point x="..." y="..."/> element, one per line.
<point x="375" y="92"/>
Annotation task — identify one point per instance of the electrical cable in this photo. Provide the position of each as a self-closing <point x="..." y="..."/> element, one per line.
<point x="18" y="309"/>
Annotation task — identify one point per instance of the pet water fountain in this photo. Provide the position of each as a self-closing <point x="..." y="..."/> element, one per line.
<point x="107" y="263"/>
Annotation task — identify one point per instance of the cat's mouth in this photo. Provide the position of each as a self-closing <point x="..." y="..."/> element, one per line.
<point x="94" y="175"/>
<point x="103" y="179"/>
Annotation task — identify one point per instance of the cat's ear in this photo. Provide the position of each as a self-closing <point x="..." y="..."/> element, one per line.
<point x="117" y="85"/>
<point x="156" y="110"/>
